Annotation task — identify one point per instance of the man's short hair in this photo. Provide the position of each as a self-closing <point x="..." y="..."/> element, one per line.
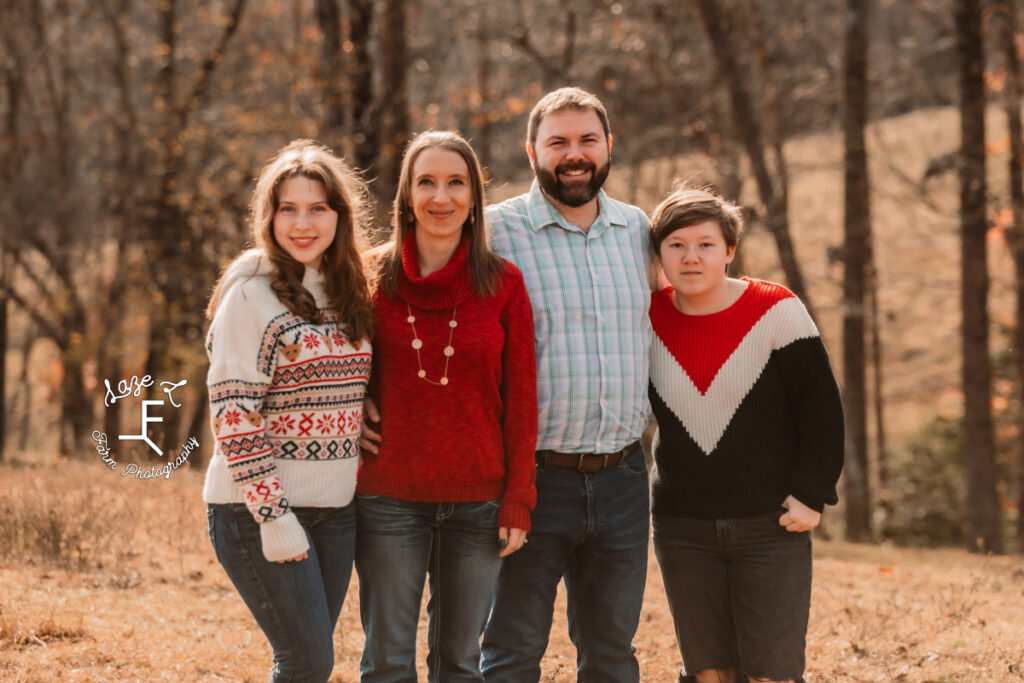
<point x="561" y="99"/>
<point x="688" y="206"/>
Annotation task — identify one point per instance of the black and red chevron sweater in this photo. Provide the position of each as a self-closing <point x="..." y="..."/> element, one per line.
<point x="747" y="406"/>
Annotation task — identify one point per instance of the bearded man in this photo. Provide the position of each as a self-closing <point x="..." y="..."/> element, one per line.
<point x="585" y="259"/>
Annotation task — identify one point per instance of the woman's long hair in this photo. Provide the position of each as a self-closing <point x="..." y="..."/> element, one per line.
<point x="344" y="280"/>
<point x="485" y="266"/>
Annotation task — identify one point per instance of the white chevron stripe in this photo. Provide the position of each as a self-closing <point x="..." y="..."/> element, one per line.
<point x="707" y="417"/>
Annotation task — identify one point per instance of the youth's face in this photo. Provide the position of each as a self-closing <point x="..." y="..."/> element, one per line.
<point x="304" y="224"/>
<point x="694" y="259"/>
<point x="571" y="157"/>
<point x="441" y="194"/>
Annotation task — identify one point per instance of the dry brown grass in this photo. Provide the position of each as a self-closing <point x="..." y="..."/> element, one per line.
<point x="145" y="600"/>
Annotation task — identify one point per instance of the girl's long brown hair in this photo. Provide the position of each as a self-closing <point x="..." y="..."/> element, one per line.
<point x="485" y="267"/>
<point x="345" y="283"/>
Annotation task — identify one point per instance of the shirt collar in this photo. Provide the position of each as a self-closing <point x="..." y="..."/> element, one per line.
<point x="542" y="212"/>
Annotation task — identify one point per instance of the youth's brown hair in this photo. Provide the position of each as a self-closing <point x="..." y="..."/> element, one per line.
<point x="575" y="99"/>
<point x="344" y="280"/>
<point x="688" y="205"/>
<point x="485" y="266"/>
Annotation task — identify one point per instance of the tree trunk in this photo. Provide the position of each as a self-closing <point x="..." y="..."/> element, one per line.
<point x="332" y="67"/>
<point x="884" y="494"/>
<point x="979" y="442"/>
<point x="856" y="254"/>
<point x="1015" y="235"/>
<point x="76" y="410"/>
<point x="3" y="358"/>
<point x="363" y="127"/>
<point x="483" y="83"/>
<point x="24" y="396"/>
<point x="394" y="121"/>
<point x="718" y="26"/>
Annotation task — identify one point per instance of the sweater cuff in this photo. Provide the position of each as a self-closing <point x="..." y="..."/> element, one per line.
<point x="283" y="538"/>
<point x="815" y="504"/>
<point x="514" y="515"/>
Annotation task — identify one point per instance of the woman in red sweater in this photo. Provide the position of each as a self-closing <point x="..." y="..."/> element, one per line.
<point x="450" y="490"/>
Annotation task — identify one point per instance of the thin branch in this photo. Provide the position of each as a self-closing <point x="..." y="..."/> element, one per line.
<point x="36" y="279"/>
<point x="201" y="86"/>
<point x="48" y="328"/>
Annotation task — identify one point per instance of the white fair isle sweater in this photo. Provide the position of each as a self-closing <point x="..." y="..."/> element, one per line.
<point x="286" y="402"/>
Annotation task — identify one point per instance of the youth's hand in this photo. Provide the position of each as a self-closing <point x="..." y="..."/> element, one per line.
<point x="798" y="517"/>
<point x="297" y="558"/>
<point x="514" y="540"/>
<point x="370" y="439"/>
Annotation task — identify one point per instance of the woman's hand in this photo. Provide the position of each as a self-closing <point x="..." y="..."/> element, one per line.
<point x="297" y="558"/>
<point x="510" y="540"/>
<point x="799" y="517"/>
<point x="370" y="440"/>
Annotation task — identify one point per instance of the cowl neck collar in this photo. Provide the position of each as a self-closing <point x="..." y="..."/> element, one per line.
<point x="444" y="288"/>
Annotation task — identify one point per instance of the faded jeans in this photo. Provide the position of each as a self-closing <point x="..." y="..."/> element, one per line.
<point x="402" y="544"/>
<point x="296" y="604"/>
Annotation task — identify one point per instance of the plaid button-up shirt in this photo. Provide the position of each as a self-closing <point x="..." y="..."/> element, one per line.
<point x="590" y="296"/>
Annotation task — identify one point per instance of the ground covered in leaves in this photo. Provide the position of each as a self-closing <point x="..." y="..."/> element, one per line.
<point x="110" y="578"/>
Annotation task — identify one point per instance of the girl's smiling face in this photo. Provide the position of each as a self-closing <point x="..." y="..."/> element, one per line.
<point x="304" y="223"/>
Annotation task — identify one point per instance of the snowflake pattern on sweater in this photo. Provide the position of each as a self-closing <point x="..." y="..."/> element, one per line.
<point x="282" y="390"/>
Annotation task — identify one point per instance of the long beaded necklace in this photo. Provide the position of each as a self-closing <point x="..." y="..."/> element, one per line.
<point x="417" y="344"/>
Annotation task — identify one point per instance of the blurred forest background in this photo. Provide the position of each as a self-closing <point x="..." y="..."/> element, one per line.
<point x="874" y="144"/>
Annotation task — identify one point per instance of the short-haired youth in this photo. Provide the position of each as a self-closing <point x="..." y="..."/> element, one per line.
<point x="688" y="206"/>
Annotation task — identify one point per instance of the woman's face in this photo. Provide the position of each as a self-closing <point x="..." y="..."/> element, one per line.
<point x="441" y="195"/>
<point x="694" y="259"/>
<point x="304" y="224"/>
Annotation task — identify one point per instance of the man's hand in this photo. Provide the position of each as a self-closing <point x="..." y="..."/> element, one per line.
<point x="370" y="439"/>
<point x="799" y="517"/>
<point x="510" y="540"/>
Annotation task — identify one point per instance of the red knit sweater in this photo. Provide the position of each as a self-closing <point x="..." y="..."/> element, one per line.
<point x="474" y="439"/>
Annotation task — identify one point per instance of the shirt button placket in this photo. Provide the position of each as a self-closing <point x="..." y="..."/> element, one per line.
<point x="599" y="444"/>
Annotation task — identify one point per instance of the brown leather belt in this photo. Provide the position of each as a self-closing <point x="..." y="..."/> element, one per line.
<point x="585" y="462"/>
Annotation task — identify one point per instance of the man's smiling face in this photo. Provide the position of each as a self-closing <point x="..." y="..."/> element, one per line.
<point x="571" y="157"/>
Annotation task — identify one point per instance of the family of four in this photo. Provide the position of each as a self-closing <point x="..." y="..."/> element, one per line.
<point x="463" y="406"/>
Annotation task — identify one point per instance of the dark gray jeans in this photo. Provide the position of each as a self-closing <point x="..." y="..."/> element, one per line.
<point x="739" y="591"/>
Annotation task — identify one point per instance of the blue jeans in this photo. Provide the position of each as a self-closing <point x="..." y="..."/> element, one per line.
<point x="401" y="544"/>
<point x="295" y="603"/>
<point x="591" y="529"/>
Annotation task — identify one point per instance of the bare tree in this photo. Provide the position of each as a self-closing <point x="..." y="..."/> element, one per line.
<point x="979" y="442"/>
<point x="40" y="262"/>
<point x="718" y="25"/>
<point x="883" y="494"/>
<point x="1015" y="235"/>
<point x="332" y="67"/>
<point x="394" y="120"/>
<point x="856" y="257"/>
<point x="554" y="67"/>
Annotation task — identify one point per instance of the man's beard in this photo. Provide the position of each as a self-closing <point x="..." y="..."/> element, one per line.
<point x="576" y="194"/>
